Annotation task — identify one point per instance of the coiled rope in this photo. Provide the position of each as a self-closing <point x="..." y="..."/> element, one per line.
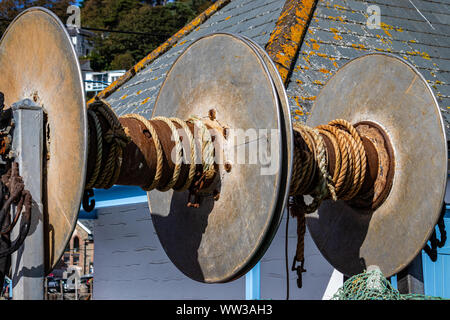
<point x="311" y="172"/>
<point x="106" y="169"/>
<point x="109" y="144"/>
<point x="205" y="141"/>
<point x="311" y="163"/>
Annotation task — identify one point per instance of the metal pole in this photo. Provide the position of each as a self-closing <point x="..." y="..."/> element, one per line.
<point x="46" y="289"/>
<point x="84" y="258"/>
<point x="61" y="289"/>
<point x="28" y="262"/>
<point x="252" y="283"/>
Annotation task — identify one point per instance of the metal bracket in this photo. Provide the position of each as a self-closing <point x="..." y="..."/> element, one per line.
<point x="28" y="262"/>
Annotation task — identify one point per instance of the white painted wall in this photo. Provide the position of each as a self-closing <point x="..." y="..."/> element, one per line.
<point x="130" y="263"/>
<point x="107" y="77"/>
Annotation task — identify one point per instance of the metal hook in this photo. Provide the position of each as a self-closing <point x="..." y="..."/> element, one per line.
<point x="300" y="269"/>
<point x="88" y="206"/>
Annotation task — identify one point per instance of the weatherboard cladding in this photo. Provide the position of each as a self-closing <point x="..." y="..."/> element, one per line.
<point x="416" y="30"/>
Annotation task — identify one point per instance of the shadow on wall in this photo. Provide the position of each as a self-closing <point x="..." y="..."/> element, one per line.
<point x="130" y="263"/>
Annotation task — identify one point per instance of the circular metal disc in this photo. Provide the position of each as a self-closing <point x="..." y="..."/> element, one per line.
<point x="390" y="92"/>
<point x="38" y="60"/>
<point x="223" y="239"/>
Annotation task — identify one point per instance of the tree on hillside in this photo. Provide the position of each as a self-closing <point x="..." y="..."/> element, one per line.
<point x="9" y="9"/>
<point x="145" y="24"/>
<point x="156" y="23"/>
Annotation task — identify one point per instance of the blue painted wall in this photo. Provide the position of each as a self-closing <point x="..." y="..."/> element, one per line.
<point x="437" y="274"/>
<point x="115" y="196"/>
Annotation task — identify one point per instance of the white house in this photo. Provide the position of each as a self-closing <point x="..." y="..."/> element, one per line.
<point x="97" y="81"/>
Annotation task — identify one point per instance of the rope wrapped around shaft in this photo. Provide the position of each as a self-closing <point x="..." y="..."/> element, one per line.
<point x="107" y="140"/>
<point x="112" y="140"/>
<point x="311" y="174"/>
<point x="311" y="168"/>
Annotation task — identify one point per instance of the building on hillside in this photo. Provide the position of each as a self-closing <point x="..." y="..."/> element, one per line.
<point x="130" y="261"/>
<point x="79" y="251"/>
<point x="81" y="40"/>
<point x="94" y="82"/>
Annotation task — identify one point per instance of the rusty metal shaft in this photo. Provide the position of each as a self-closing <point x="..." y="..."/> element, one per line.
<point x="140" y="158"/>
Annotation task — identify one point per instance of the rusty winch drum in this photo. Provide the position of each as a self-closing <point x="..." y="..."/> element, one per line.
<point x="390" y="93"/>
<point x="231" y="75"/>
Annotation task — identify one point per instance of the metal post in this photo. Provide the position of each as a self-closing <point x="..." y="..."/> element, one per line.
<point x="28" y="262"/>
<point x="84" y="258"/>
<point x="45" y="288"/>
<point x="61" y="289"/>
<point x="252" y="283"/>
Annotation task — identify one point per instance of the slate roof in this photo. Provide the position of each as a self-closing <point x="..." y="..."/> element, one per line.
<point x="88" y="224"/>
<point x="252" y="18"/>
<point x="416" y="30"/>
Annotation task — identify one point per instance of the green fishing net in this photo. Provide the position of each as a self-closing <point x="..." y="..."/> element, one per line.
<point x="372" y="285"/>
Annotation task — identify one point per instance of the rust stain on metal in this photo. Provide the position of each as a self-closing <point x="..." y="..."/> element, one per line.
<point x="288" y="34"/>
<point x="24" y="75"/>
<point x="169" y="43"/>
<point x="381" y="161"/>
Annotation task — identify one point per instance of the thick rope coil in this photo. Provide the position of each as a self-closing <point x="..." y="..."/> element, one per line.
<point x="317" y="156"/>
<point x="339" y="144"/>
<point x="207" y="151"/>
<point x="106" y="171"/>
<point x="361" y="164"/>
<point x="192" y="152"/>
<point x="349" y="167"/>
<point x="310" y="175"/>
<point x="178" y="151"/>
<point x="98" y="158"/>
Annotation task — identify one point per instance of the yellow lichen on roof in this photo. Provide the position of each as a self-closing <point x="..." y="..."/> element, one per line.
<point x="386" y="28"/>
<point x="287" y="36"/>
<point x="358" y="46"/>
<point x="338" y="18"/>
<point x="336" y="32"/>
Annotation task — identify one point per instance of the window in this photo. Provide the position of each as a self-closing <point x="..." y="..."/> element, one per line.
<point x="76" y="244"/>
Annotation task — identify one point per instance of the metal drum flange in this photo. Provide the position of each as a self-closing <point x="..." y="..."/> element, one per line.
<point x="390" y="93"/>
<point x="223" y="238"/>
<point x="38" y="62"/>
